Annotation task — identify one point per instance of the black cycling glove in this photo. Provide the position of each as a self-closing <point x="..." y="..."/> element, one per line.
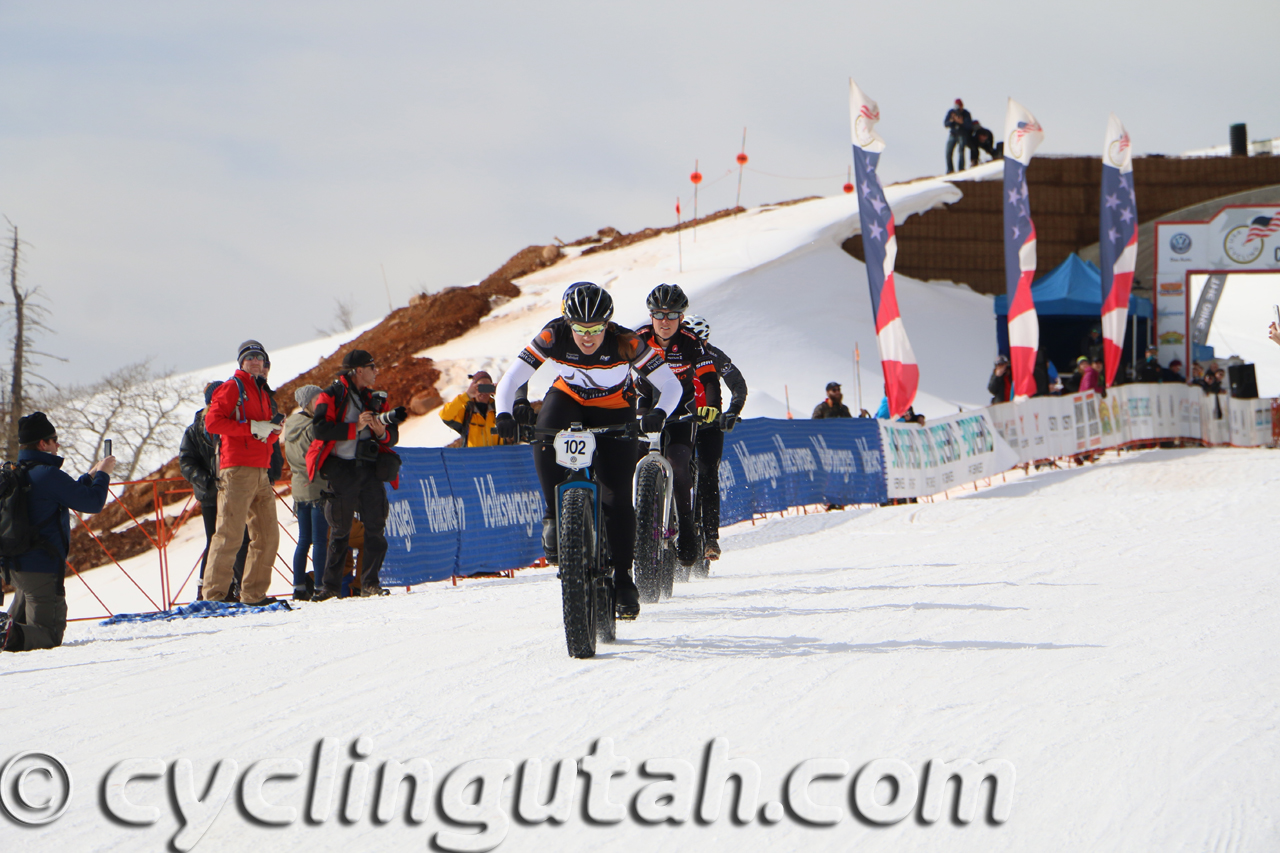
<point x="653" y="420"/>
<point x="505" y="426"/>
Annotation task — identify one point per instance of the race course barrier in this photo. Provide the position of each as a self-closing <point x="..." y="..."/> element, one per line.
<point x="461" y="512"/>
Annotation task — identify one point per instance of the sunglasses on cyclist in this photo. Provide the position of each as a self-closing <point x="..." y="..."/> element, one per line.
<point x="594" y="329"/>
<point x="666" y="315"/>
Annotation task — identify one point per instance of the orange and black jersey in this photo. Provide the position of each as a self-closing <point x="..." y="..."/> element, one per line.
<point x="602" y="378"/>
<point x="688" y="359"/>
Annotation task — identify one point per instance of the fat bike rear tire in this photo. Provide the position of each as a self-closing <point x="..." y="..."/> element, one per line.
<point x="606" y="611"/>
<point x="650" y="532"/>
<point x="667" y="565"/>
<point x="577" y="583"/>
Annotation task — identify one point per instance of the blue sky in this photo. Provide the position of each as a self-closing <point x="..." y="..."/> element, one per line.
<point x="190" y="176"/>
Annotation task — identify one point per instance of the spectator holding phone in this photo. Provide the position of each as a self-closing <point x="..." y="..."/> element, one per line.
<point x="471" y="413"/>
<point x="37" y="618"/>
<point x="242" y="415"/>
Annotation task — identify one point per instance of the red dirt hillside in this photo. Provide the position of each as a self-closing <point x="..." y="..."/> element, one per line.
<point x="429" y="320"/>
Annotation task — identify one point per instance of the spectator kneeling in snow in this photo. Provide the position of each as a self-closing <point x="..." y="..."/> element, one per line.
<point x="37" y="617"/>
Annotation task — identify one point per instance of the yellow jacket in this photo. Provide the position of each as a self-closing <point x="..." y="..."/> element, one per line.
<point x="460" y="415"/>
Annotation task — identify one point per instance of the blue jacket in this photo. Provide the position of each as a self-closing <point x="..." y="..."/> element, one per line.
<point x="53" y="493"/>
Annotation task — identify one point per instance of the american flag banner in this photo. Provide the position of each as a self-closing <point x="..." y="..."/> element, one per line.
<point x="1262" y="226"/>
<point x="1022" y="136"/>
<point x="1117" y="241"/>
<point x="880" y="247"/>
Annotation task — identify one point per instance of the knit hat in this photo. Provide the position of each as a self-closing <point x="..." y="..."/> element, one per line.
<point x="833" y="386"/>
<point x="959" y="103"/>
<point x="357" y="358"/>
<point x="250" y="347"/>
<point x="306" y="394"/>
<point x="209" y="389"/>
<point x="35" y="427"/>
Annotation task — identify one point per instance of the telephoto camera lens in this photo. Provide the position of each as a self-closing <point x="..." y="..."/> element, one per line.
<point x="398" y="415"/>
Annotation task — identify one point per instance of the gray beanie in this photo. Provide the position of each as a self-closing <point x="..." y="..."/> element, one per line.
<point x="306" y="394"/>
<point x="250" y="347"/>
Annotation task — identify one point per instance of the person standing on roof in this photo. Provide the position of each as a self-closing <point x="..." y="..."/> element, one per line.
<point x="684" y="353"/>
<point x="242" y="415"/>
<point x="711" y="436"/>
<point x="593" y="359"/>
<point x="960" y="124"/>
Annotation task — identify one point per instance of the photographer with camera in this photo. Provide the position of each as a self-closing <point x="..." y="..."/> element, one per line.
<point x="471" y="413"/>
<point x="354" y="434"/>
<point x="242" y="415"/>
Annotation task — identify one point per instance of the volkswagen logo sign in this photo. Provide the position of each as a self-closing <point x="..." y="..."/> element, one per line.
<point x="1180" y="243"/>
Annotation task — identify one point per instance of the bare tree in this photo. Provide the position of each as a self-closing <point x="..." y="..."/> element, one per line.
<point x="28" y="316"/>
<point x="344" y="314"/>
<point x="141" y="412"/>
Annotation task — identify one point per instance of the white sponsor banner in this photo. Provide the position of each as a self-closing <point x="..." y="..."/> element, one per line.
<point x="1215" y="419"/>
<point x="947" y="452"/>
<point x="921" y="462"/>
<point x="1052" y="427"/>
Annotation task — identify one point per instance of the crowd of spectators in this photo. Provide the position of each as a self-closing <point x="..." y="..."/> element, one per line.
<point x="1090" y="373"/>
<point x="338" y="445"/>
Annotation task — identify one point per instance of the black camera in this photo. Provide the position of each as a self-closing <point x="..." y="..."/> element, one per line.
<point x="366" y="450"/>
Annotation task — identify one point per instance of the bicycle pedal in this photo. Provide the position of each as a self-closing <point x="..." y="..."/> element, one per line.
<point x="626" y="617"/>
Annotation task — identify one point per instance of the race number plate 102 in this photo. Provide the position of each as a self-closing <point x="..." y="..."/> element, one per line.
<point x="575" y="449"/>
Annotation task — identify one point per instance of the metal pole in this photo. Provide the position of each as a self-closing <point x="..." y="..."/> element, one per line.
<point x="857" y="373"/>
<point x="1133" y="350"/>
<point x="679" y="237"/>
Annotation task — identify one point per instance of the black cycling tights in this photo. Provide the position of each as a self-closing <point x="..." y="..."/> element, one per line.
<point x="615" y="464"/>
<point x="677" y="446"/>
<point x="710" y="449"/>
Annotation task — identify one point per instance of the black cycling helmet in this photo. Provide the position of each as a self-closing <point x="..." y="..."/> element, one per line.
<point x="667" y="297"/>
<point x="585" y="302"/>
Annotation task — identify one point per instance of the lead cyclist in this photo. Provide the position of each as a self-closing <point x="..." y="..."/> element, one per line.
<point x="593" y="359"/>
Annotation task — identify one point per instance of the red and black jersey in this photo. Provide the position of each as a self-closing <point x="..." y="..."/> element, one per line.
<point x="601" y="379"/>
<point x="688" y="360"/>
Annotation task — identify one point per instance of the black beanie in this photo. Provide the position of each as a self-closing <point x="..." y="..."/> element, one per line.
<point x="35" y="427"/>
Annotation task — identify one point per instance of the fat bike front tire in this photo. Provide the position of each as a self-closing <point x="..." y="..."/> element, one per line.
<point x="577" y="583"/>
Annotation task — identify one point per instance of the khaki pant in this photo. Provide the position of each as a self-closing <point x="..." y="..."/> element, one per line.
<point x="243" y="493"/>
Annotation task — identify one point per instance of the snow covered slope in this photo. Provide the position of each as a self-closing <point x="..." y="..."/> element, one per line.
<point x="785" y="301"/>
<point x="1116" y="646"/>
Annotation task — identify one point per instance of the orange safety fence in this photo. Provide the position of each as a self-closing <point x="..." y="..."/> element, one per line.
<point x="165" y="529"/>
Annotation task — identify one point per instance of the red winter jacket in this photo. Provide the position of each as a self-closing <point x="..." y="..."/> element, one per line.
<point x="239" y="447"/>
<point x="330" y="410"/>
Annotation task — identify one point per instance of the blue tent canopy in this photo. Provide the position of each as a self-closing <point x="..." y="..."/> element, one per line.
<point x="1073" y="289"/>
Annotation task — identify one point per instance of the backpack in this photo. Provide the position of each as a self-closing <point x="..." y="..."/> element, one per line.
<point x="17" y="534"/>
